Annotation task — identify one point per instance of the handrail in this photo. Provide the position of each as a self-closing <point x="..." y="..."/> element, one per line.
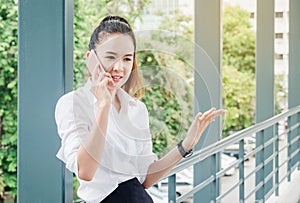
<point x="226" y="142"/>
<point x="237" y="137"/>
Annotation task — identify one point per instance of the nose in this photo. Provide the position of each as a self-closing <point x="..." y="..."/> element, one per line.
<point x="118" y="65"/>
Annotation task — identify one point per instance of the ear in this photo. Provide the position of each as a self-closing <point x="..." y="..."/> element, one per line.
<point x="87" y="54"/>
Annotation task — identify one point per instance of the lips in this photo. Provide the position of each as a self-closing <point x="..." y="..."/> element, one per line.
<point x="116" y="78"/>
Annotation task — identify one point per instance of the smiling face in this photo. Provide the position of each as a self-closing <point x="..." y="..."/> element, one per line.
<point x="116" y="54"/>
<point x="114" y="43"/>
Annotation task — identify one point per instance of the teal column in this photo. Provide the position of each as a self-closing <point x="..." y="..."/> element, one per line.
<point x="45" y="73"/>
<point x="207" y="90"/>
<point x="294" y="75"/>
<point x="264" y="89"/>
<point x="172" y="188"/>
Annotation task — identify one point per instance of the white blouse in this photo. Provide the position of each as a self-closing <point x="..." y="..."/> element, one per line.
<point x="128" y="148"/>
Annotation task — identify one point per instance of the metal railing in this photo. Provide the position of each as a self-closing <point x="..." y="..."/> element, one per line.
<point x="290" y="132"/>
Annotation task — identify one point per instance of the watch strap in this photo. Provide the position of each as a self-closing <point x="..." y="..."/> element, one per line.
<point x="181" y="150"/>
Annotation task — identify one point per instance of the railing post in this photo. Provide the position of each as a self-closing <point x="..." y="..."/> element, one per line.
<point x="259" y="159"/>
<point x="276" y="149"/>
<point x="241" y="171"/>
<point x="289" y="166"/>
<point x="172" y="188"/>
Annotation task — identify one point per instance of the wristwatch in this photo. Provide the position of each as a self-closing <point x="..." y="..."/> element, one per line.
<point x="181" y="150"/>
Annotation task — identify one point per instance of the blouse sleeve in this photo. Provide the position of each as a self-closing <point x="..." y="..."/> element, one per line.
<point x="147" y="157"/>
<point x="71" y="130"/>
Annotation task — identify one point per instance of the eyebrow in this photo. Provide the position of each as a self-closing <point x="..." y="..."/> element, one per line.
<point x="113" y="53"/>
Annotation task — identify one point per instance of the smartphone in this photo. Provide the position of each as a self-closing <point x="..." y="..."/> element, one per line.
<point x="92" y="63"/>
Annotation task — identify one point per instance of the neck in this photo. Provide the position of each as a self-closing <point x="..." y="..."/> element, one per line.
<point x="116" y="102"/>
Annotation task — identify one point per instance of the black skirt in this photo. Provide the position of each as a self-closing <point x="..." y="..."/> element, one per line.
<point x="130" y="191"/>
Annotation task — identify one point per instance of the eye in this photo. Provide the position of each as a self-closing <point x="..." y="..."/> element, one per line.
<point x="110" y="57"/>
<point x="127" y="59"/>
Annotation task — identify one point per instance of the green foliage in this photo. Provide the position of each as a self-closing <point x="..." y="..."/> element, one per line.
<point x="238" y="40"/>
<point x="238" y="61"/>
<point x="168" y="99"/>
<point x="165" y="69"/>
<point x="238" y="99"/>
<point x="280" y="93"/>
<point x="175" y="35"/>
<point x="239" y="86"/>
<point x="8" y="95"/>
<point x="2" y="186"/>
<point x="238" y="70"/>
<point x="167" y="121"/>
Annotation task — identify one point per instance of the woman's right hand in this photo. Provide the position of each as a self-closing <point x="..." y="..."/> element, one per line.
<point x="103" y="87"/>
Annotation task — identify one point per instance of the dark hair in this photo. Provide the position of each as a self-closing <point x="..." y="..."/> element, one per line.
<point x="109" y="25"/>
<point x="116" y="24"/>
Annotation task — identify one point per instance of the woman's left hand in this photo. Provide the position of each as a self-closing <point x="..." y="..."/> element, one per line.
<point x="198" y="126"/>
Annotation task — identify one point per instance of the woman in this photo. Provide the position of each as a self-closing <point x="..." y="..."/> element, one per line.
<point x="105" y="132"/>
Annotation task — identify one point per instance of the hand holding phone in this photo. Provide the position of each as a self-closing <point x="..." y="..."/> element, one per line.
<point x="103" y="86"/>
<point x="94" y="65"/>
